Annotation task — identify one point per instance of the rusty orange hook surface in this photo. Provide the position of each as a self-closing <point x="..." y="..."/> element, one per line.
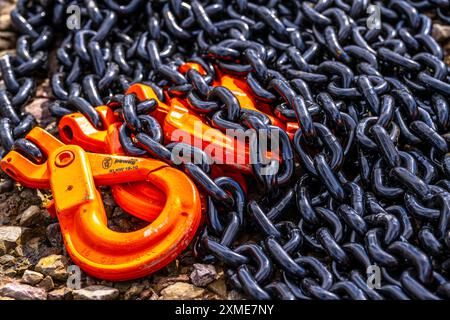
<point x="73" y="175"/>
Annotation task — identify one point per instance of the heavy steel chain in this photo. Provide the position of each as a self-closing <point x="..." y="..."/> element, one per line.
<point x="364" y="182"/>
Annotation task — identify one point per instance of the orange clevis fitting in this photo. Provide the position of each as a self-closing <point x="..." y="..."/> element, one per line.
<point x="73" y="175"/>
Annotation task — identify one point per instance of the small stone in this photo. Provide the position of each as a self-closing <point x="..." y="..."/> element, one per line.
<point x="54" y="236"/>
<point x="54" y="266"/>
<point x="38" y="109"/>
<point x="96" y="293"/>
<point x="122" y="286"/>
<point x="11" y="236"/>
<point x="9" y="208"/>
<point x="18" y="251"/>
<point x="148" y="294"/>
<point x="35" y="249"/>
<point x="44" y="90"/>
<point x="22" y="264"/>
<point x="134" y="291"/>
<point x="47" y="284"/>
<point x="22" y="292"/>
<point x="181" y="291"/>
<point x="32" y="277"/>
<point x="6" y="41"/>
<point x="29" y="197"/>
<point x="8" y="35"/>
<point x="164" y="282"/>
<point x="10" y="272"/>
<point x="235" y="295"/>
<point x="441" y="32"/>
<point x="7" y="259"/>
<point x="5" y="22"/>
<point x="203" y="274"/>
<point x="219" y="287"/>
<point x="63" y="293"/>
<point x="5" y="11"/>
<point x="30" y="216"/>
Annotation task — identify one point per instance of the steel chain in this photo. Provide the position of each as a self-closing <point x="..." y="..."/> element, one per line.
<point x="372" y="183"/>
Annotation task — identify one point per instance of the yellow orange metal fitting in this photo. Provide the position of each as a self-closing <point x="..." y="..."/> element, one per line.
<point x="73" y="175"/>
<point x="140" y="199"/>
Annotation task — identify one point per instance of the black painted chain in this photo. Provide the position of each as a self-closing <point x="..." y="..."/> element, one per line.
<point x="364" y="181"/>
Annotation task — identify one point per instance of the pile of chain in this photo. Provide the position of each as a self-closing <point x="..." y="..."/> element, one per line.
<point x="440" y="7"/>
<point x="363" y="184"/>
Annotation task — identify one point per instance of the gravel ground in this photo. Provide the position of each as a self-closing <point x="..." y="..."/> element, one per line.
<point x="33" y="261"/>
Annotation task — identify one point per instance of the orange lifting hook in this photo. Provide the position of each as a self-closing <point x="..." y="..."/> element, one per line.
<point x="73" y="175"/>
<point x="141" y="199"/>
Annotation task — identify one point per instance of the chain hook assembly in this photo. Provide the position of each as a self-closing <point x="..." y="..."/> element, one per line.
<point x="74" y="175"/>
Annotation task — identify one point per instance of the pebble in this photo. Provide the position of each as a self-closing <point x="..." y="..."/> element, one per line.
<point x="235" y="295"/>
<point x="134" y="291"/>
<point x="181" y="291"/>
<point x="11" y="236"/>
<point x="164" y="282"/>
<point x="39" y="110"/>
<point x="54" y="266"/>
<point x="7" y="259"/>
<point x="63" y="293"/>
<point x="7" y="40"/>
<point x="5" y="22"/>
<point x="53" y="234"/>
<point x="22" y="292"/>
<point x="21" y="264"/>
<point x="30" y="216"/>
<point x="32" y="277"/>
<point x="122" y="286"/>
<point x="441" y="32"/>
<point x="47" y="284"/>
<point x="10" y="272"/>
<point x="5" y="11"/>
<point x="9" y="207"/>
<point x="148" y="294"/>
<point x="96" y="292"/>
<point x="18" y="251"/>
<point x="203" y="274"/>
<point x="219" y="287"/>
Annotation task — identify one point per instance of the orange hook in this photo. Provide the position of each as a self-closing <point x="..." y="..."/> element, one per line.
<point x="73" y="176"/>
<point x="141" y="199"/>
